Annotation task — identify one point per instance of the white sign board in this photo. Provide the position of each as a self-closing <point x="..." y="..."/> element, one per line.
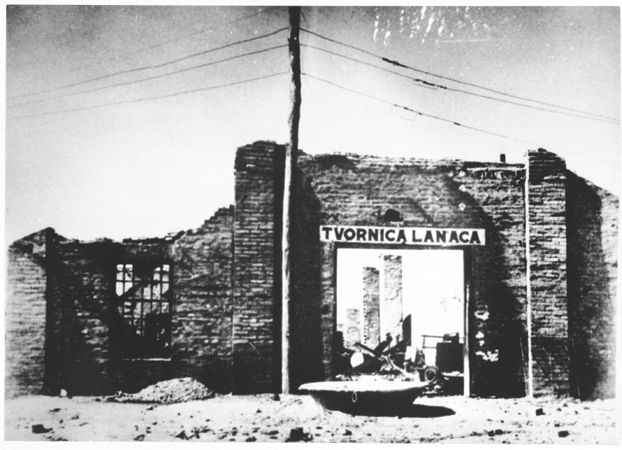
<point x="403" y="236"/>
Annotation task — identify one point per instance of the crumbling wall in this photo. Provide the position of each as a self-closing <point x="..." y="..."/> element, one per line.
<point x="592" y="217"/>
<point x="25" y="318"/>
<point x="82" y="276"/>
<point x="90" y="345"/>
<point x="202" y="312"/>
<point x="94" y="348"/>
<point x="71" y="301"/>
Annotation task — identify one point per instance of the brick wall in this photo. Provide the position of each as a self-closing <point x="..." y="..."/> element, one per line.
<point x="85" y="347"/>
<point x="306" y="350"/>
<point x="82" y="279"/>
<point x="90" y="340"/>
<point x="256" y="269"/>
<point x="354" y="189"/>
<point x="226" y="279"/>
<point x="549" y="286"/>
<point x="592" y="216"/>
<point x="26" y="315"/>
<point x="371" y="307"/>
<point x="93" y="340"/>
<point x="202" y="319"/>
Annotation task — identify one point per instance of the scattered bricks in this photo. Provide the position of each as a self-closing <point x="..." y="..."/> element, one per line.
<point x="40" y="429"/>
<point x="182" y="435"/>
<point x="563" y="433"/>
<point x="539" y="412"/>
<point x="298" y="434"/>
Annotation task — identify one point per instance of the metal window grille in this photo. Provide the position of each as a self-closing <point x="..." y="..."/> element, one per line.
<point x="144" y="304"/>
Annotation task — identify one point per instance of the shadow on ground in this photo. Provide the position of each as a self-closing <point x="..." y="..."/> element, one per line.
<point x="416" y="410"/>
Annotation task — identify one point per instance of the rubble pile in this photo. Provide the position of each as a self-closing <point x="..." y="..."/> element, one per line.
<point x="176" y="390"/>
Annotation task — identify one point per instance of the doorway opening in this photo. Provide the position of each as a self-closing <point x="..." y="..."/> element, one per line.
<point x="406" y="303"/>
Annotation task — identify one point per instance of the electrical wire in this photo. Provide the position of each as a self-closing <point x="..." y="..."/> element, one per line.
<point x="138" y="69"/>
<point x="426" y="83"/>
<point x="455" y="80"/>
<point x="170" y="41"/>
<point x="155" y="77"/>
<point x="144" y="99"/>
<point x="442" y="119"/>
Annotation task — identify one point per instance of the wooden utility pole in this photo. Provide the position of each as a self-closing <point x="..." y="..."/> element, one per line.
<point x="291" y="155"/>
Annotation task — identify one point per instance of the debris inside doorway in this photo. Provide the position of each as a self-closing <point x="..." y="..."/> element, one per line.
<point x="394" y="363"/>
<point x="176" y="390"/>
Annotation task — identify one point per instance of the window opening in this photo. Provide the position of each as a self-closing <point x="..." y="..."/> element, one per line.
<point x="144" y="305"/>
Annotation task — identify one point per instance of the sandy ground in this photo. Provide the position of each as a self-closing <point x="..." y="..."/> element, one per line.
<point x="260" y="418"/>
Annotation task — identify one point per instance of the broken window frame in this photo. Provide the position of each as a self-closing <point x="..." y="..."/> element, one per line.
<point x="141" y="289"/>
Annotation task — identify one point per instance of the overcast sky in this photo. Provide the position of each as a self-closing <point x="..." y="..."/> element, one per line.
<point x="152" y="167"/>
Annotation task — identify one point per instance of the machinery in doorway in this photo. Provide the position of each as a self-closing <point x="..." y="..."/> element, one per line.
<point x="443" y="375"/>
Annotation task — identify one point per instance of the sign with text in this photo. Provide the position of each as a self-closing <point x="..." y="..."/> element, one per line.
<point x="402" y="236"/>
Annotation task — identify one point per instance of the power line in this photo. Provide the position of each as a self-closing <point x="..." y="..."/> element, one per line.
<point x="155" y="77"/>
<point x="455" y="80"/>
<point x="144" y="99"/>
<point x="442" y="119"/>
<point x="170" y="41"/>
<point x="138" y="69"/>
<point x="425" y="83"/>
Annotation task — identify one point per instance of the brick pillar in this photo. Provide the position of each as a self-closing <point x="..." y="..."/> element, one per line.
<point x="548" y="277"/>
<point x="256" y="268"/>
<point x="392" y="306"/>
<point x="371" y="306"/>
<point x="25" y="315"/>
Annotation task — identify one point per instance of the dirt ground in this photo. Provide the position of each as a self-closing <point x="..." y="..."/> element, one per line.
<point x="261" y="418"/>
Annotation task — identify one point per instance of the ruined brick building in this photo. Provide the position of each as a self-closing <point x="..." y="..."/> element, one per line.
<point x="530" y="256"/>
